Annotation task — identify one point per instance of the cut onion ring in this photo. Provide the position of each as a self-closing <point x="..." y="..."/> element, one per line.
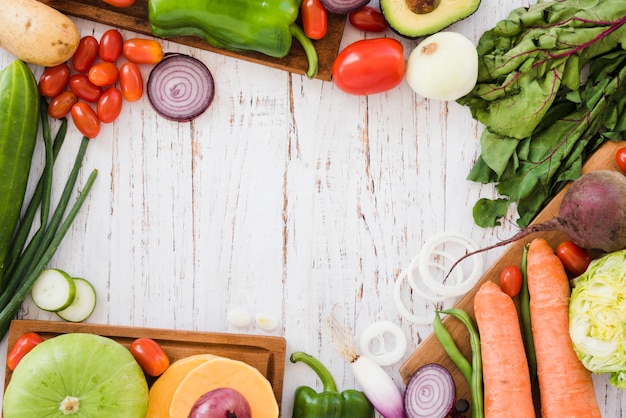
<point x="180" y="87"/>
<point x="430" y="392"/>
<point x="377" y="331"/>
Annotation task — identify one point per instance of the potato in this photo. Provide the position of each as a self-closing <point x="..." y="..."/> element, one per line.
<point x="36" y="33"/>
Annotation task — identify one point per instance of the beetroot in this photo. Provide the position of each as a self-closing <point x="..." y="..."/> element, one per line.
<point x="592" y="214"/>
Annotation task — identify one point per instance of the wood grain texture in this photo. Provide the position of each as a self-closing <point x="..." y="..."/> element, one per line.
<point x="135" y="18"/>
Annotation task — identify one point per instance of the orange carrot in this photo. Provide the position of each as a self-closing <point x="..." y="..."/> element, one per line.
<point x="565" y="386"/>
<point x="506" y="377"/>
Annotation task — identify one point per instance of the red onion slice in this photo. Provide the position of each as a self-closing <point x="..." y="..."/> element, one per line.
<point x="430" y="392"/>
<point x="180" y="88"/>
<point x="343" y="6"/>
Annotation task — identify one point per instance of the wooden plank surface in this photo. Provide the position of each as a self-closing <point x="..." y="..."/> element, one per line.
<point x="135" y="18"/>
<point x="430" y="350"/>
<point x="265" y="353"/>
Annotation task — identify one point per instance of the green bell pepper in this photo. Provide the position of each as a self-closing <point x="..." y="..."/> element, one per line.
<point x="235" y="25"/>
<point x="329" y="403"/>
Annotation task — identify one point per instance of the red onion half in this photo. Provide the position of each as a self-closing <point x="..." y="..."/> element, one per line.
<point x="180" y="87"/>
<point x="430" y="392"/>
<point x="343" y="6"/>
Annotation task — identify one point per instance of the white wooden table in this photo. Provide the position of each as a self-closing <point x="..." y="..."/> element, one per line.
<point x="287" y="198"/>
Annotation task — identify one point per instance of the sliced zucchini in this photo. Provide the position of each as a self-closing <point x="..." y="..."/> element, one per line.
<point x="53" y="290"/>
<point x="84" y="303"/>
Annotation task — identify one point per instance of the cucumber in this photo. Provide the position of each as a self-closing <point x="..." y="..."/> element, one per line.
<point x="53" y="290"/>
<point x="84" y="302"/>
<point x="19" y="120"/>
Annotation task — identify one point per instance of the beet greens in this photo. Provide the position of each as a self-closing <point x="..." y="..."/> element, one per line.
<point x="543" y="120"/>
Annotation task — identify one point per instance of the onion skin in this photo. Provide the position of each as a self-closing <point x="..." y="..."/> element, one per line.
<point x="221" y="403"/>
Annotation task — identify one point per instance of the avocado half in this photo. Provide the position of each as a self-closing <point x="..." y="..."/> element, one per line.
<point x="415" y="18"/>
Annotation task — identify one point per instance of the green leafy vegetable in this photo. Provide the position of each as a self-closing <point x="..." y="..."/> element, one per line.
<point x="542" y="120"/>
<point x="597" y="314"/>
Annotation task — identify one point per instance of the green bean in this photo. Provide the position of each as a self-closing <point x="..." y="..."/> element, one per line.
<point x="476" y="385"/>
<point x="524" y="301"/>
<point x="450" y="347"/>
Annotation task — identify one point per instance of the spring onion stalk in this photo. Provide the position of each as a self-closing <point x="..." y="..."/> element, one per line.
<point x="377" y="385"/>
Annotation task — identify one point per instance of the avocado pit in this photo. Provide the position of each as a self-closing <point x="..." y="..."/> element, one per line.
<point x="422" y="6"/>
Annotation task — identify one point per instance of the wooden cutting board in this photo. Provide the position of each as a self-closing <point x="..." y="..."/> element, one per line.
<point x="135" y="18"/>
<point x="430" y="350"/>
<point x="265" y="353"/>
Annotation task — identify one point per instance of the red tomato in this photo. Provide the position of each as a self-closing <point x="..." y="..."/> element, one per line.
<point x="620" y="159"/>
<point x="85" y="54"/>
<point x="574" y="258"/>
<point x="62" y="104"/>
<point x="103" y="74"/>
<point x="109" y="105"/>
<point x="131" y="81"/>
<point x="369" y="66"/>
<point x="150" y="356"/>
<point x="85" y="89"/>
<point x="54" y="80"/>
<point x="314" y="19"/>
<point x="86" y="120"/>
<point x="511" y="280"/>
<point x="22" y="346"/>
<point x="368" y="19"/>
<point x="120" y="3"/>
<point x="111" y="45"/>
<point x="142" y="51"/>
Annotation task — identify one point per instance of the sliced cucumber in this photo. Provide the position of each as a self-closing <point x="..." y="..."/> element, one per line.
<point x="84" y="302"/>
<point x="53" y="290"/>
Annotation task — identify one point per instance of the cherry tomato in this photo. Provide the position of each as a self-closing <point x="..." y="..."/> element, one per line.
<point x="109" y="105"/>
<point x="368" y="19"/>
<point x="85" y="89"/>
<point x="314" y="19"/>
<point x="54" y="80"/>
<point x="620" y="159"/>
<point x="85" y="54"/>
<point x="575" y="259"/>
<point x="22" y="346"/>
<point x="62" y="104"/>
<point x="150" y="356"/>
<point x="131" y="81"/>
<point x="142" y="51"/>
<point x="120" y="3"/>
<point x="511" y="280"/>
<point x="369" y="66"/>
<point x="111" y="45"/>
<point x="103" y="74"/>
<point x="86" y="120"/>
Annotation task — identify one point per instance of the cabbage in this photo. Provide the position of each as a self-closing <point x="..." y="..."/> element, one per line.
<point x="597" y="317"/>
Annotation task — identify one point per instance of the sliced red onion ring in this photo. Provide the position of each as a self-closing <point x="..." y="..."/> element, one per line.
<point x="430" y="392"/>
<point x="343" y="6"/>
<point x="180" y="87"/>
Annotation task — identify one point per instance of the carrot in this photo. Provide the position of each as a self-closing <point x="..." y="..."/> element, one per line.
<point x="565" y="386"/>
<point x="506" y="378"/>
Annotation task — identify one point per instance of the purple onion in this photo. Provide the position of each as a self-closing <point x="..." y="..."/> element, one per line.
<point x="343" y="6"/>
<point x="430" y="392"/>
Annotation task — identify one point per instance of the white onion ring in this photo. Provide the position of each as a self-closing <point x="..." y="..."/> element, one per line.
<point x="180" y="87"/>
<point x="378" y="330"/>
<point x="404" y="311"/>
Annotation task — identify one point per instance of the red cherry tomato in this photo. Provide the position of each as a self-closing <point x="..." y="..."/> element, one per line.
<point x="103" y="74"/>
<point x="111" y="45"/>
<point x="54" y="80"/>
<point x="369" y="66"/>
<point x="131" y="81"/>
<point x="620" y="159"/>
<point x="120" y="3"/>
<point x="86" y="120"/>
<point x="22" y="346"/>
<point x="314" y="19"/>
<point x="62" y="104"/>
<point x="575" y="259"/>
<point x="511" y="280"/>
<point x="150" y="356"/>
<point x="368" y="19"/>
<point x="85" y="54"/>
<point x="109" y="105"/>
<point x="142" y="51"/>
<point x="85" y="89"/>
